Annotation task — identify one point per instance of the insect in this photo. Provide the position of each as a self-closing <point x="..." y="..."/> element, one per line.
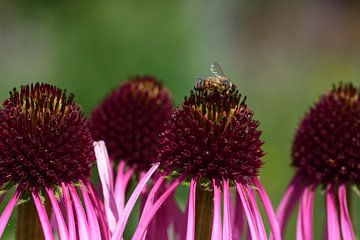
<point x="219" y="83"/>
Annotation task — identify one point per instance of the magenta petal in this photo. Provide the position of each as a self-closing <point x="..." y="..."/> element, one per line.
<point x="190" y="231"/>
<point x="107" y="181"/>
<point x="289" y="201"/>
<point x="44" y="219"/>
<point x="274" y="225"/>
<point x="120" y="226"/>
<point x="99" y="209"/>
<point x="256" y="212"/>
<point x="150" y="200"/>
<point x="346" y="224"/>
<point x="69" y="212"/>
<point x="307" y="207"/>
<point x="239" y="220"/>
<point x="250" y="218"/>
<point x="299" y="223"/>
<point x="227" y="231"/>
<point x="80" y="214"/>
<point x="216" y="226"/>
<point x="6" y="214"/>
<point x="333" y="230"/>
<point x="60" y="222"/>
<point x="91" y="215"/>
<point x="142" y="226"/>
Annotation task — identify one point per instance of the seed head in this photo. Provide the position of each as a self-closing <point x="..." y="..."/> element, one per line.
<point x="211" y="137"/>
<point x="131" y="119"/>
<point x="327" y="144"/>
<point x="44" y="138"/>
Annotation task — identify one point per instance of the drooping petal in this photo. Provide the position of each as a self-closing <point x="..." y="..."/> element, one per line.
<point x="120" y="226"/>
<point x="121" y="184"/>
<point x="255" y="212"/>
<point x="69" y="212"/>
<point x="346" y="224"/>
<point x="239" y="220"/>
<point x="190" y="231"/>
<point x="99" y="210"/>
<point x="107" y="183"/>
<point x="307" y="207"/>
<point x="83" y="227"/>
<point x="91" y="215"/>
<point x="150" y="199"/>
<point x="227" y="231"/>
<point x="274" y="225"/>
<point x="333" y="230"/>
<point x="299" y="223"/>
<point x="60" y="222"/>
<point x="289" y="201"/>
<point x="142" y="226"/>
<point x="216" y="226"/>
<point x="249" y="215"/>
<point x="44" y="219"/>
<point x="6" y="214"/>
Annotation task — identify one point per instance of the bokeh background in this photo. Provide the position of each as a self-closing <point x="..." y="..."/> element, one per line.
<point x="281" y="54"/>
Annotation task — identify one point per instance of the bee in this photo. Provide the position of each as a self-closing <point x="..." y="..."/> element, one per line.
<point x="218" y="83"/>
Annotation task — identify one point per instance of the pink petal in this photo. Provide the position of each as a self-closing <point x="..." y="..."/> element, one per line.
<point x="69" y="212"/>
<point x="274" y="225"/>
<point x="142" y="226"/>
<point x="120" y="227"/>
<point x="190" y="232"/>
<point x="239" y="221"/>
<point x="61" y="226"/>
<point x="122" y="181"/>
<point x="255" y="212"/>
<point x="346" y="224"/>
<point x="6" y="214"/>
<point x="80" y="214"/>
<point x="307" y="207"/>
<point x="249" y="215"/>
<point x="216" y="226"/>
<point x="333" y="230"/>
<point x="227" y="232"/>
<point x="99" y="209"/>
<point x="288" y="202"/>
<point x="299" y="223"/>
<point x="107" y="181"/>
<point x="91" y="215"/>
<point x="150" y="199"/>
<point x="44" y="220"/>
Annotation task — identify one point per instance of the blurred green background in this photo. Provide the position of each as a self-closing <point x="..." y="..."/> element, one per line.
<point x="281" y="54"/>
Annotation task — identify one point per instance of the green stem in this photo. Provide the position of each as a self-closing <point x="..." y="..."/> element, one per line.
<point x="203" y="213"/>
<point x="28" y="223"/>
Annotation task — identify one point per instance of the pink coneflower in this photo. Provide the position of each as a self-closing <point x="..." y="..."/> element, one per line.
<point x="212" y="142"/>
<point x="46" y="153"/>
<point x="129" y="122"/>
<point x="326" y="154"/>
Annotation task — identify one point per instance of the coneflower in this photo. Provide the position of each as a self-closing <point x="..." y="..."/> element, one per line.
<point x="213" y="143"/>
<point x="129" y="122"/>
<point x="46" y="153"/>
<point x="326" y="154"/>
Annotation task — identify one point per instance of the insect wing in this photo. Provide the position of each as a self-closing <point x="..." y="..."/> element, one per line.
<point x="216" y="69"/>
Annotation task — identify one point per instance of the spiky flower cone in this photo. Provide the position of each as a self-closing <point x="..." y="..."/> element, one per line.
<point x="46" y="148"/>
<point x="326" y="152"/>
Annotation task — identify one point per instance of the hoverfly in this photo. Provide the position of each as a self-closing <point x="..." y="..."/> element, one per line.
<point x="219" y="83"/>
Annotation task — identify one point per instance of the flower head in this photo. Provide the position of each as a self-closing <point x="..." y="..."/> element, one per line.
<point x="45" y="149"/>
<point x="44" y="138"/>
<point x="327" y="144"/>
<point x="131" y="119"/>
<point x="212" y="137"/>
<point x="326" y="152"/>
<point x="214" y="142"/>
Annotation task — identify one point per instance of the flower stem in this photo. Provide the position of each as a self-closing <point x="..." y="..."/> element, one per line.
<point x="28" y="223"/>
<point x="204" y="213"/>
